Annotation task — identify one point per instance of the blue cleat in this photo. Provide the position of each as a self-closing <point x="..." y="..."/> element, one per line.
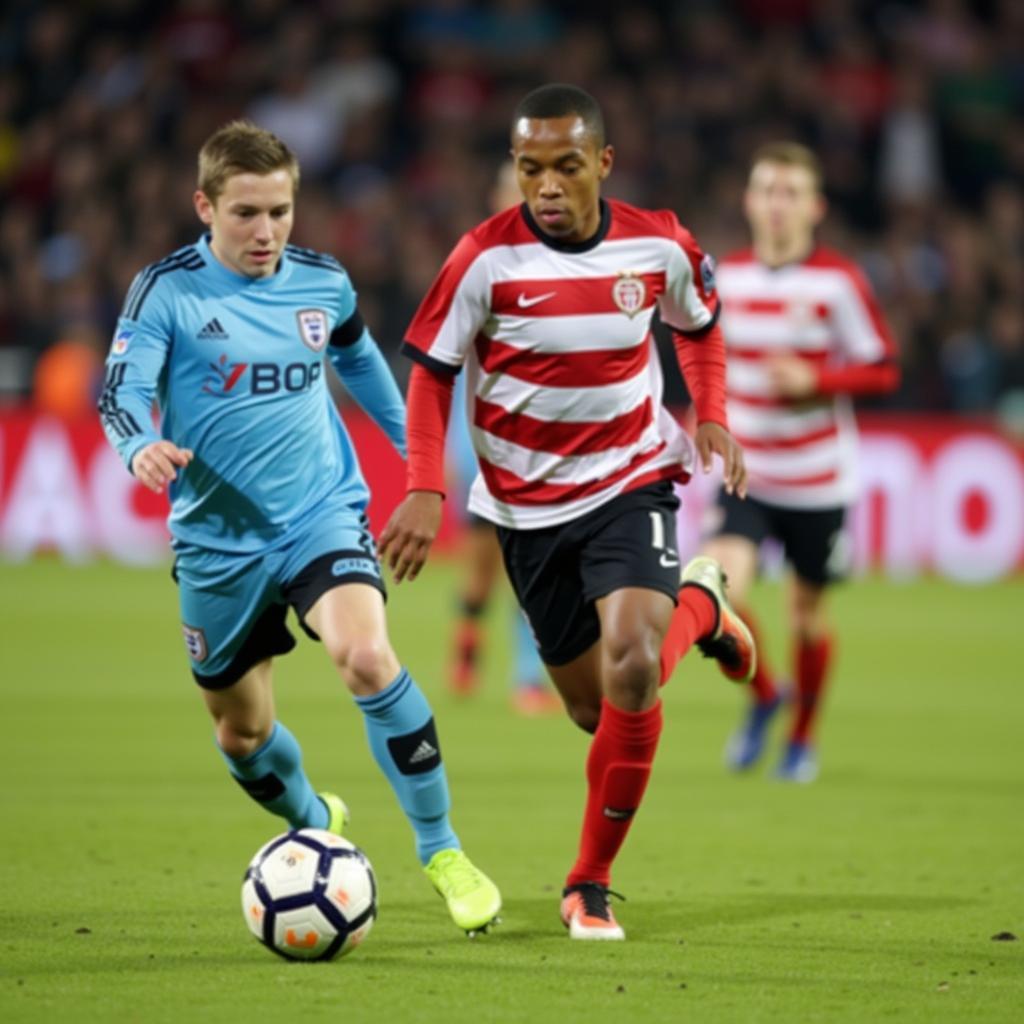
<point x="746" y="745"/>
<point x="799" y="764"/>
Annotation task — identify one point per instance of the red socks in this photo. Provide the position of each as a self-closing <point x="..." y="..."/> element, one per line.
<point x="695" y="616"/>
<point x="618" y="767"/>
<point x="812" y="661"/>
<point x="761" y="686"/>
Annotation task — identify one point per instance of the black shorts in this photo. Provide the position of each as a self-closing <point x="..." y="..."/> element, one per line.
<point x="814" y="540"/>
<point x="234" y="607"/>
<point x="560" y="571"/>
<point x="475" y="522"/>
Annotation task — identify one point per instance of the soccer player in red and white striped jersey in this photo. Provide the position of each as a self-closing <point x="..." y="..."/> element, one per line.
<point x="803" y="334"/>
<point x="547" y="309"/>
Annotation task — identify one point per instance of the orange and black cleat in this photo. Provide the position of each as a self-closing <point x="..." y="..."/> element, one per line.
<point x="730" y="643"/>
<point x="587" y="912"/>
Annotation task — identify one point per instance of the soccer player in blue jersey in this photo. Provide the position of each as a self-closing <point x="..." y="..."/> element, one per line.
<point x="267" y="498"/>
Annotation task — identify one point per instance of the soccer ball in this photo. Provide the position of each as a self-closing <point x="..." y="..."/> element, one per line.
<point x="309" y="895"/>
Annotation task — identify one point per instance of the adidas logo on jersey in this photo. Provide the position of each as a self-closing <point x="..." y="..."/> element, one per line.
<point x="424" y="751"/>
<point x="212" y="331"/>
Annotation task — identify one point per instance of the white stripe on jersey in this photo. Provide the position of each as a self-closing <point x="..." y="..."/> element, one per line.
<point x="800" y="455"/>
<point x="560" y="337"/>
<point x="743" y="378"/>
<point x="535" y="260"/>
<point x="774" y="331"/>
<point x="801" y="287"/>
<point x="525" y="517"/>
<point x="778" y="424"/>
<point x="551" y="468"/>
<point x="596" y="332"/>
<point x="543" y="402"/>
<point x="813" y="459"/>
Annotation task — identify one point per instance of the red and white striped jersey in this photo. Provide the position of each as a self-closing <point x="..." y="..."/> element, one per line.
<point x="564" y="384"/>
<point x="799" y="453"/>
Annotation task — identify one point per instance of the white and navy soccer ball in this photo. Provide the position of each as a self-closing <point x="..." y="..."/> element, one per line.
<point x="309" y="895"/>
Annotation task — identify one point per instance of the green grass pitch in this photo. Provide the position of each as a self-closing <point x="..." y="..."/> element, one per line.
<point x="871" y="895"/>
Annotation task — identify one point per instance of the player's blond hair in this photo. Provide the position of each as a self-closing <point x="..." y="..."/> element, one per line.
<point x="241" y="147"/>
<point x="790" y="154"/>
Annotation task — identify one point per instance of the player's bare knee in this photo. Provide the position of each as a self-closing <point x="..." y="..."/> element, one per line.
<point x="632" y="666"/>
<point x="586" y="716"/>
<point x="240" y="739"/>
<point x="366" y="665"/>
<point x="810" y="629"/>
<point x="808" y="615"/>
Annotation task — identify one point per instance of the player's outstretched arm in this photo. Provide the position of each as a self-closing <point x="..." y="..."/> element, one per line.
<point x="796" y="378"/>
<point x="368" y="379"/>
<point x="156" y="465"/>
<point x="791" y="377"/>
<point x="713" y="438"/>
<point x="405" y="542"/>
<point x="702" y="361"/>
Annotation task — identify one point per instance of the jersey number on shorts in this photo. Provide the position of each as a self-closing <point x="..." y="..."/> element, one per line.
<point x="668" y="558"/>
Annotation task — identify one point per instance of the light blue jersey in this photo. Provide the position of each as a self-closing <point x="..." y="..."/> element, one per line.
<point x="236" y="365"/>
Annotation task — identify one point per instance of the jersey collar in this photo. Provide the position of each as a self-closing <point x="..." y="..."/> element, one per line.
<point x="585" y="246"/>
<point x="227" y="274"/>
<point x="797" y="261"/>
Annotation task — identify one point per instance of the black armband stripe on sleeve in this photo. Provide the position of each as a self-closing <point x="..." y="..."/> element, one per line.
<point x="700" y="332"/>
<point x="120" y="421"/>
<point x="349" y="332"/>
<point x="187" y="261"/>
<point x="429" y="362"/>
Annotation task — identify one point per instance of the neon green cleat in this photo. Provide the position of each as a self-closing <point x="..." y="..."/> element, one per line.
<point x="337" y="813"/>
<point x="730" y="643"/>
<point x="473" y="899"/>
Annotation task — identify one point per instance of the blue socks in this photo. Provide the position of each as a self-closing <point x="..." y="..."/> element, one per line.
<point x="273" y="777"/>
<point x="400" y="728"/>
<point x="403" y="739"/>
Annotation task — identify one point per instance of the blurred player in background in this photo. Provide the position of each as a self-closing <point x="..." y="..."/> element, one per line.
<point x="481" y="574"/>
<point x="548" y="306"/>
<point x="267" y="498"/>
<point x="803" y="333"/>
<point x="481" y="570"/>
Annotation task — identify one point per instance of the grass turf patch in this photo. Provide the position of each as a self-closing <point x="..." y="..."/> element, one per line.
<point x="872" y="894"/>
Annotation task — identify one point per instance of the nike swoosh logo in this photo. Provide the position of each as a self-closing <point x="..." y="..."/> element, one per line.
<point x="669" y="560"/>
<point x="619" y="813"/>
<point x="524" y="303"/>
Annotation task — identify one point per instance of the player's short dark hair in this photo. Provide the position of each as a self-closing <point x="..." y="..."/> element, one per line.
<point x="241" y="147"/>
<point x="561" y="100"/>
<point x="790" y="154"/>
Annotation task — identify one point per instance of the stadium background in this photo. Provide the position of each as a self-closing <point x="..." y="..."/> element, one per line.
<point x="399" y="112"/>
<point x="875" y="894"/>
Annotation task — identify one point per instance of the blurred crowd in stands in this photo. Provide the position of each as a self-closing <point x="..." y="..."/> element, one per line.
<point x="399" y="111"/>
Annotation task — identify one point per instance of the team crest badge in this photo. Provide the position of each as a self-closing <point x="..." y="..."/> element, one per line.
<point x="120" y="343"/>
<point x="195" y="642"/>
<point x="707" y="273"/>
<point x="313" y="328"/>
<point x="629" y="292"/>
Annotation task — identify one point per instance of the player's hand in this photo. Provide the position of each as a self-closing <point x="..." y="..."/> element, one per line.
<point x="714" y="439"/>
<point x="791" y="376"/>
<point x="405" y="543"/>
<point x="154" y="465"/>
